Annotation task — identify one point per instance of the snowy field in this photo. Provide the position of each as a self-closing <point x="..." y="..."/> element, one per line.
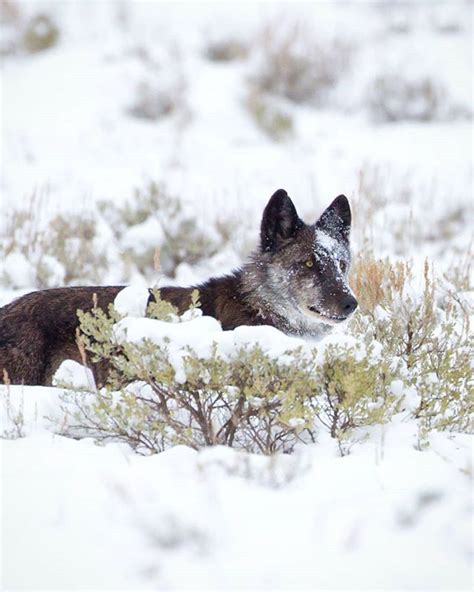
<point x="130" y="126"/>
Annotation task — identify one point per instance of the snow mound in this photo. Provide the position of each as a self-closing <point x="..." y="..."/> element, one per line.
<point x="387" y="517"/>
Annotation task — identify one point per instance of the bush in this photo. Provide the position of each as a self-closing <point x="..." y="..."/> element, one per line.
<point x="154" y="99"/>
<point x="162" y="88"/>
<point x="10" y="20"/>
<point x="391" y="98"/>
<point x="353" y="390"/>
<point x="64" y="252"/>
<point x="428" y="333"/>
<point x="444" y="383"/>
<point x="155" y="397"/>
<point x="294" y="65"/>
<point x="409" y="353"/>
<point x="40" y="33"/>
<point x="393" y="211"/>
<point x="226" y="50"/>
<point x="154" y="218"/>
<point x="13" y="419"/>
<point x="274" y="122"/>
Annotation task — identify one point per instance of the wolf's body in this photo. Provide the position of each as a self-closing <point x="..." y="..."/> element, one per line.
<point x="296" y="281"/>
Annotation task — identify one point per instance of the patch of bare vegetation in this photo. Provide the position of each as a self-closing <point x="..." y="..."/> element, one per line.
<point x="274" y="121"/>
<point x="13" y="419"/>
<point x="41" y="32"/>
<point x="162" y="90"/>
<point x="248" y="399"/>
<point x="226" y="50"/>
<point x="63" y="251"/>
<point x="22" y="34"/>
<point x="427" y="331"/>
<point x="155" y="99"/>
<point x="293" y="64"/>
<point x="155" y="218"/>
<point x="393" y="212"/>
<point x="392" y="97"/>
<point x="410" y="356"/>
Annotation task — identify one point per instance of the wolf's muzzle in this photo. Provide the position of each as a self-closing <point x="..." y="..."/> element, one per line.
<point x="349" y="304"/>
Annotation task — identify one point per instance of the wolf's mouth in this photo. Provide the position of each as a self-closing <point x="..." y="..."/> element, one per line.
<point x="325" y="316"/>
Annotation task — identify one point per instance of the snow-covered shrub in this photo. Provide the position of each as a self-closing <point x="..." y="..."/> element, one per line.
<point x="272" y="120"/>
<point x="393" y="213"/>
<point x="71" y="241"/>
<point x="427" y="331"/>
<point x="294" y="64"/>
<point x="226" y="50"/>
<point x="393" y="97"/>
<point x="353" y="389"/>
<point x="10" y="20"/>
<point x="40" y="33"/>
<point x="23" y="33"/>
<point x="460" y="274"/>
<point x="155" y="99"/>
<point x="155" y="219"/>
<point x="65" y="251"/>
<point x="444" y="383"/>
<point x="161" y="87"/>
<point x="9" y="11"/>
<point x="13" y="419"/>
<point x="156" y="396"/>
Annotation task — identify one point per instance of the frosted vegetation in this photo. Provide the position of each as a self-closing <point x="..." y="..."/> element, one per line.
<point x="149" y="163"/>
<point x="405" y="354"/>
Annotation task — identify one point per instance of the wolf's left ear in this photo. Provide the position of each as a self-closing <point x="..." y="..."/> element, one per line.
<point x="280" y="221"/>
<point x="336" y="219"/>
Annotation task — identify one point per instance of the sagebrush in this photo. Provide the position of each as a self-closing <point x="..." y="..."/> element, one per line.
<point x="248" y="399"/>
<point x="403" y="343"/>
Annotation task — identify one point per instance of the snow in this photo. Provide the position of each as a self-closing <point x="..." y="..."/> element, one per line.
<point x="132" y="301"/>
<point x="74" y="375"/>
<point x="18" y="270"/>
<point x="325" y="241"/>
<point x="387" y="516"/>
<point x="76" y="515"/>
<point x="202" y="332"/>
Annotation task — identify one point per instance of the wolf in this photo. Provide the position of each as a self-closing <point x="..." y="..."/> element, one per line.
<point x="296" y="281"/>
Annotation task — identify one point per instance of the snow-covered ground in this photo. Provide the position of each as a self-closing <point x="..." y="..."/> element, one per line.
<point x="387" y="516"/>
<point x="77" y="515"/>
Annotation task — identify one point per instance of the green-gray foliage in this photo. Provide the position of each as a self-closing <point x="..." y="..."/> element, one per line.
<point x="252" y="401"/>
<point x="353" y="391"/>
<point x="428" y="334"/>
<point x="249" y="399"/>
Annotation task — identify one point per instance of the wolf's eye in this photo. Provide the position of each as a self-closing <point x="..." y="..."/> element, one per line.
<point x="343" y="266"/>
<point x="309" y="263"/>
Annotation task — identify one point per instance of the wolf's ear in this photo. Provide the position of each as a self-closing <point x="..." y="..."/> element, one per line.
<point x="279" y="221"/>
<point x="336" y="219"/>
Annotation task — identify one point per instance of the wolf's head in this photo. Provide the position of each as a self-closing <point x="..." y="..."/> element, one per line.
<point x="300" y="272"/>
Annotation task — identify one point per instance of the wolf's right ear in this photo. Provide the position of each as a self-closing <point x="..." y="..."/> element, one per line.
<point x="279" y="221"/>
<point x="336" y="218"/>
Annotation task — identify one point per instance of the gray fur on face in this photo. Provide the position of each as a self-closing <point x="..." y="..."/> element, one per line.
<point x="302" y="287"/>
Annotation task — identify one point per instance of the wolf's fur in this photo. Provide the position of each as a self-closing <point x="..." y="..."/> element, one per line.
<point x="296" y="281"/>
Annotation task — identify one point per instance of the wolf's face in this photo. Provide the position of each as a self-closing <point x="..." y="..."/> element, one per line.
<point x="305" y="267"/>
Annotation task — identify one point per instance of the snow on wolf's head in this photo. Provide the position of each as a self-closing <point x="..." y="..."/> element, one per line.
<point x="303" y="268"/>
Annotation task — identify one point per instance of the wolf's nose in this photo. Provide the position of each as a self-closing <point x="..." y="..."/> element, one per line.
<point x="349" y="304"/>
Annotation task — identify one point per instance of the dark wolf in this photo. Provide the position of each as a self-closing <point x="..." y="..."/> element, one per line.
<point x="296" y="281"/>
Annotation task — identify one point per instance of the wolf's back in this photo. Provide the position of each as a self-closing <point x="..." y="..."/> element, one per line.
<point x="38" y="331"/>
